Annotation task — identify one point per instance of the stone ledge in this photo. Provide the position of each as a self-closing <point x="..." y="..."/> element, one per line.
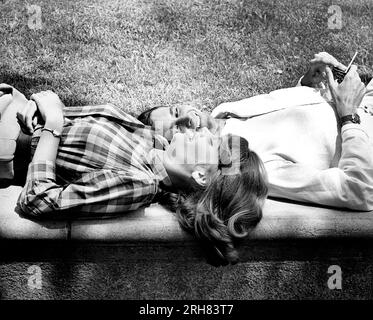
<point x="15" y="227"/>
<point x="281" y="221"/>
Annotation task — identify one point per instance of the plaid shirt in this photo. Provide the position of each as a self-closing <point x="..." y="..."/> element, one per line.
<point x="106" y="164"/>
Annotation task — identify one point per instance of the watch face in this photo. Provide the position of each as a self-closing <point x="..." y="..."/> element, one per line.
<point x="355" y="118"/>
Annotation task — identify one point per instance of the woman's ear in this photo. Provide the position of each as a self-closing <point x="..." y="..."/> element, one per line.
<point x="199" y="176"/>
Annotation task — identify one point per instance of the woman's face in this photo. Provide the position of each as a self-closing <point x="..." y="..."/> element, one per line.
<point x="168" y="121"/>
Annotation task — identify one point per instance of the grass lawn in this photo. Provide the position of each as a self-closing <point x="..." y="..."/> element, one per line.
<point x="137" y="54"/>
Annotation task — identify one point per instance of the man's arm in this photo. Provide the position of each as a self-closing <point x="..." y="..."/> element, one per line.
<point x="287" y="97"/>
<point x="274" y="101"/>
<point x="350" y="185"/>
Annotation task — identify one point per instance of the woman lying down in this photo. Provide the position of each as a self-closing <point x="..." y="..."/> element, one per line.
<point x="97" y="161"/>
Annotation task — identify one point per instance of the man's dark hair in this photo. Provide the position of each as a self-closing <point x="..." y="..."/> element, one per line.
<point x="145" y="116"/>
<point x="366" y="78"/>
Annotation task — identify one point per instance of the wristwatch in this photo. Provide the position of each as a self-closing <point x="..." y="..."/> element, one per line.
<point x="354" y="118"/>
<point x="55" y="133"/>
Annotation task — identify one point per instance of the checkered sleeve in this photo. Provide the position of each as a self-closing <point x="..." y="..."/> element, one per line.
<point x="99" y="192"/>
<point x="40" y="180"/>
<point x="158" y="169"/>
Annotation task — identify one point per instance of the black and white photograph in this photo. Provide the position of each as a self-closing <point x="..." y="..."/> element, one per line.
<point x="195" y="152"/>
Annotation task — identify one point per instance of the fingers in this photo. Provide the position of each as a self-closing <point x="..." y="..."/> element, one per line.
<point x="324" y="57"/>
<point x="43" y="99"/>
<point x="42" y="94"/>
<point x="352" y="73"/>
<point x="36" y="97"/>
<point x="328" y="59"/>
<point x="34" y="121"/>
<point x="349" y="94"/>
<point x="29" y="115"/>
<point x="329" y="76"/>
<point x="363" y="90"/>
<point x="25" y="117"/>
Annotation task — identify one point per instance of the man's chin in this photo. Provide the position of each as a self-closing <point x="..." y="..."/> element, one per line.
<point x="210" y="123"/>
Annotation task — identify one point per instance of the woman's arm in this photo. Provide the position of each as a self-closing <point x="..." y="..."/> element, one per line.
<point x="50" y="108"/>
<point x="101" y="191"/>
<point x="274" y="101"/>
<point x="42" y="167"/>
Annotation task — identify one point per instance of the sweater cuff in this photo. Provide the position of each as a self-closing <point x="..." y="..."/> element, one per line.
<point x="41" y="170"/>
<point x="354" y="129"/>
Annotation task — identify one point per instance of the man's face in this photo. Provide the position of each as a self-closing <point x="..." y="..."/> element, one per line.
<point x="170" y="120"/>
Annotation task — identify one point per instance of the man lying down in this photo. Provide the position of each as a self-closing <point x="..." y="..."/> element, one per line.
<point x="315" y="140"/>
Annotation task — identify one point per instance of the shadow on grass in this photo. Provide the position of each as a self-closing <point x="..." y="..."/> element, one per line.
<point x="29" y="85"/>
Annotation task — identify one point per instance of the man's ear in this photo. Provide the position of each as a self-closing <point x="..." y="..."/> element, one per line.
<point x="199" y="176"/>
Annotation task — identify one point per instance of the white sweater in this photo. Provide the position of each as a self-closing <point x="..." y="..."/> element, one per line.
<point x="308" y="157"/>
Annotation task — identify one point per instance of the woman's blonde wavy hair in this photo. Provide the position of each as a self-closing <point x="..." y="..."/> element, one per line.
<point x="229" y="206"/>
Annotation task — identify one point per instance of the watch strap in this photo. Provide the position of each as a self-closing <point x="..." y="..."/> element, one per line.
<point x="55" y="133"/>
<point x="354" y="118"/>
